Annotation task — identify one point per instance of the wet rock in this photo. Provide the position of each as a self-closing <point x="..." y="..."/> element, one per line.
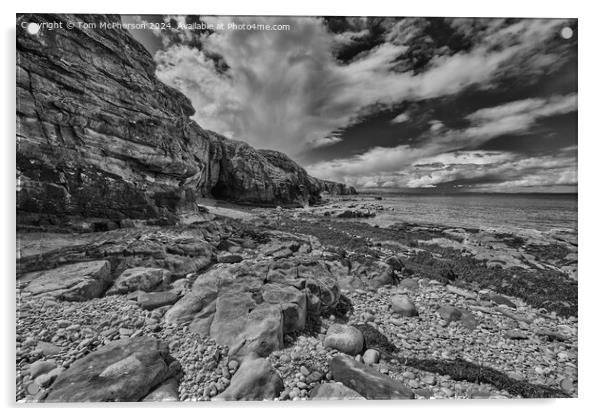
<point x="353" y="213"/>
<point x="334" y="391"/>
<point x="229" y="258"/>
<point x="124" y="370"/>
<point x="73" y="282"/>
<point x="154" y="300"/>
<point x="371" y="356"/>
<point x="41" y="367"/>
<point x="314" y="377"/>
<point x="450" y="313"/>
<point x="402" y="305"/>
<point x="254" y="380"/>
<point x="428" y="380"/>
<point x="48" y="348"/>
<point x="409" y="284"/>
<point x="501" y="300"/>
<point x="552" y="335"/>
<point x="344" y="338"/>
<point x="367" y="381"/>
<point x="233" y="365"/>
<point x="516" y="334"/>
<point x="165" y="392"/>
<point x="139" y="278"/>
<point x="567" y="385"/>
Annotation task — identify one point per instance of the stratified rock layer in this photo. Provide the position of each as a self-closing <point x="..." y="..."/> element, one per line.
<point x="367" y="381"/>
<point x="100" y="136"/>
<point x="73" y="282"/>
<point x="124" y="370"/>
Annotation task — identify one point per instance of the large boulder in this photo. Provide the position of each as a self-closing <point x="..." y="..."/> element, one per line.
<point x="73" y="282"/>
<point x="334" y="391"/>
<point x="344" y="338"/>
<point x="250" y="306"/>
<point x="139" y="278"/>
<point x="125" y="370"/>
<point x="255" y="379"/>
<point x="367" y="381"/>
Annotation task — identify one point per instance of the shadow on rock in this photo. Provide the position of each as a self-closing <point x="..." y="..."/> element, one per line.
<point x="341" y="310"/>
<point x="374" y="339"/>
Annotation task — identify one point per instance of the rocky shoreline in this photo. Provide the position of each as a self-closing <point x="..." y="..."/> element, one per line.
<point x="294" y="304"/>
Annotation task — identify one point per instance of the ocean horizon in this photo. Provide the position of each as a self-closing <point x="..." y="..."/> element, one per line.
<point x="516" y="211"/>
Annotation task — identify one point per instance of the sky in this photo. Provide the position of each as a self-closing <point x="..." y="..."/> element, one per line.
<point x="410" y="104"/>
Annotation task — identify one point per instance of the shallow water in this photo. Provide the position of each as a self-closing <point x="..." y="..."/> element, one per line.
<point x="541" y="212"/>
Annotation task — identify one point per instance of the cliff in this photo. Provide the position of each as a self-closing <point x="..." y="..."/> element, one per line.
<point x="98" y="135"/>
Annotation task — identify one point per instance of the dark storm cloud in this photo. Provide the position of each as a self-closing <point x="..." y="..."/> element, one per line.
<point x="370" y="101"/>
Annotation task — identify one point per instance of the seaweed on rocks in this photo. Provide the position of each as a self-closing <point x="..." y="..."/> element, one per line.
<point x="511" y="240"/>
<point x="547" y="289"/>
<point x="328" y="235"/>
<point x="374" y="339"/>
<point x="462" y="370"/>
<point x="342" y="309"/>
<point x="540" y="288"/>
<point x="547" y="251"/>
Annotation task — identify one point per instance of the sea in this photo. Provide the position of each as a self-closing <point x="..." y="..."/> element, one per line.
<point x="542" y="212"/>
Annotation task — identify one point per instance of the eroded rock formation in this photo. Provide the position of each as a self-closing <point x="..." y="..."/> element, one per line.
<point x="100" y="136"/>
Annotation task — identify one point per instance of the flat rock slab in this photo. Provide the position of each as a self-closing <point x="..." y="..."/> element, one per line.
<point x="166" y="392"/>
<point x="139" y="278"/>
<point x="72" y="282"/>
<point x="154" y="300"/>
<point x="334" y="391"/>
<point x="122" y="371"/>
<point x="229" y="258"/>
<point x="367" y="381"/>
<point x="255" y="379"/>
<point x="176" y="249"/>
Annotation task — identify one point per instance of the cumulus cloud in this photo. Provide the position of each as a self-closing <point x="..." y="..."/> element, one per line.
<point x="286" y="90"/>
<point x="516" y="116"/>
<point x="509" y="170"/>
<point x="434" y="161"/>
<point x="400" y="118"/>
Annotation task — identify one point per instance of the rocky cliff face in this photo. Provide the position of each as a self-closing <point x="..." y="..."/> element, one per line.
<point x="98" y="135"/>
